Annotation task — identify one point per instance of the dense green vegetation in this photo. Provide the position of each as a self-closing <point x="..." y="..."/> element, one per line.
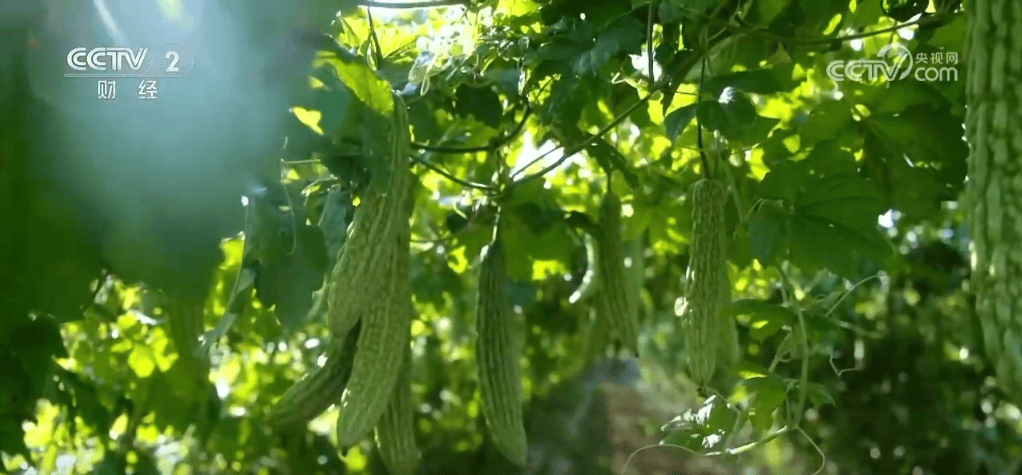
<point x="859" y="347"/>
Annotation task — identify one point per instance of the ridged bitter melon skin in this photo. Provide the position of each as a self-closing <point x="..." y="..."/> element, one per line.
<point x="614" y="302"/>
<point x="497" y="352"/>
<point x="395" y="432"/>
<point x="372" y="284"/>
<point x="361" y="269"/>
<point x="380" y="351"/>
<point x="321" y="388"/>
<point x="993" y="195"/>
<point x="702" y="322"/>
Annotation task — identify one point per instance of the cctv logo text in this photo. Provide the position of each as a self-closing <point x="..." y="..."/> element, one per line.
<point x="109" y="60"/>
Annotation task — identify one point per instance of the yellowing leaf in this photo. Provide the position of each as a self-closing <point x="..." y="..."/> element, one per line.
<point x="141" y="361"/>
<point x="355" y="460"/>
<point x="309" y="117"/>
<point x="367" y="86"/>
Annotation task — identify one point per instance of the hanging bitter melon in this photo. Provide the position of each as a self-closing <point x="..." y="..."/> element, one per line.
<point x="993" y="197"/>
<point x="702" y="322"/>
<point x="321" y="388"/>
<point x="395" y="431"/>
<point x="614" y="303"/>
<point x="361" y="269"/>
<point x="496" y="354"/>
<point x="380" y="351"/>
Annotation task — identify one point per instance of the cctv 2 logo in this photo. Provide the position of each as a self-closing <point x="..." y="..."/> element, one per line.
<point x="114" y="61"/>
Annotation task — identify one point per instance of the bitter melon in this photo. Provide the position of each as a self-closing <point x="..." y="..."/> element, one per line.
<point x="321" y="388"/>
<point x="729" y="351"/>
<point x="701" y="315"/>
<point x="395" y="432"/>
<point x="384" y="337"/>
<point x="496" y="355"/>
<point x="635" y="270"/>
<point x="614" y="304"/>
<point x="361" y="267"/>
<point x="993" y="196"/>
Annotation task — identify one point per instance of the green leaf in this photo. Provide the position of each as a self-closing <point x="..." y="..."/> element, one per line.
<point x="86" y="400"/>
<point x="113" y="463"/>
<point x="927" y="135"/>
<point x="535" y="231"/>
<point x="338" y="211"/>
<point x="374" y="131"/>
<point x="906" y="9"/>
<point x="739" y="111"/>
<point x="339" y="111"/>
<point x="625" y="35"/>
<point x="765" y="318"/>
<point x="842" y="199"/>
<point x="784" y="181"/>
<point x="828" y="158"/>
<point x="844" y="207"/>
<point x="12" y="437"/>
<point x="766" y="10"/>
<point x="755" y="133"/>
<point x="605" y="154"/>
<point x="917" y="192"/>
<point x="769" y="231"/>
<point x="712" y="116"/>
<point x="756" y="81"/>
<point x="599" y="13"/>
<point x="141" y="360"/>
<point x="145" y="464"/>
<point x="559" y="52"/>
<point x="481" y="103"/>
<point x="768" y="394"/>
<point x="292" y="260"/>
<point x="369" y="88"/>
<point x="37" y="341"/>
<point x="867" y="12"/>
<point x="819" y="396"/>
<point x="677" y="120"/>
<point x="701" y="429"/>
<point x="824" y="244"/>
<point x="303" y="141"/>
<point x="826" y="121"/>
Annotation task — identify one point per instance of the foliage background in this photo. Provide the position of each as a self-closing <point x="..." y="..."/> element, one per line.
<point x="103" y="218"/>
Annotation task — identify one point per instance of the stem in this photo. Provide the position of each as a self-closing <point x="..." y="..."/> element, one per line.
<point x="496" y="142"/>
<point x="100" y="283"/>
<point x="734" y="451"/>
<point x="408" y="5"/>
<point x="211" y="337"/>
<point x="680" y="71"/>
<point x="752" y="445"/>
<point x="376" y="40"/>
<point x="699" y="124"/>
<point x="804" y="380"/>
<point x="581" y="145"/>
<point x="649" y="43"/>
<point x="823" y="456"/>
<point x="448" y="175"/>
<point x="825" y="41"/>
<point x="726" y="165"/>
<point x="451" y="150"/>
<point x="739" y="423"/>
